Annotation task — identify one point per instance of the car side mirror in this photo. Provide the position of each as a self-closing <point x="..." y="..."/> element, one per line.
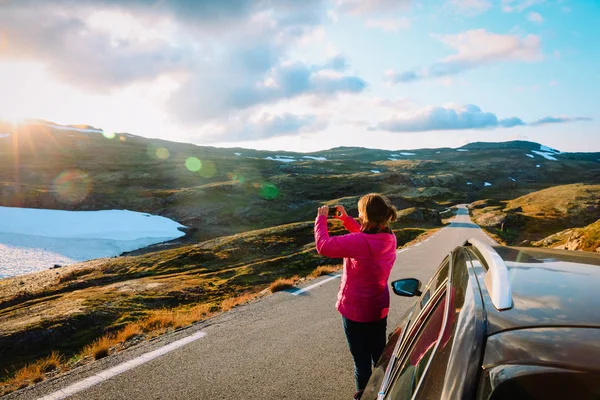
<point x="407" y="287"/>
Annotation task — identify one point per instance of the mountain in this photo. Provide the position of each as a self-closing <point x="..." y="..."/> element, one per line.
<point x="221" y="191"/>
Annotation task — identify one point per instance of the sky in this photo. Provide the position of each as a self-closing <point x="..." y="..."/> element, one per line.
<point x="308" y="75"/>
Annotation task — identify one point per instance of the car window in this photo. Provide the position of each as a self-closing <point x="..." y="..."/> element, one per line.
<point x="433" y="382"/>
<point x="437" y="281"/>
<point x="406" y="379"/>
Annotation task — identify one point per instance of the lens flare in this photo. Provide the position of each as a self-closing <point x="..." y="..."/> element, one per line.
<point x="193" y="164"/>
<point x="108" y="135"/>
<point x="235" y="177"/>
<point x="152" y="151"/>
<point x="268" y="191"/>
<point x="122" y="138"/>
<point x="162" y="153"/>
<point x="72" y="186"/>
<point x="208" y="169"/>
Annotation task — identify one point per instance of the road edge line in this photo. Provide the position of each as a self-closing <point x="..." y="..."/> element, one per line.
<point x="119" y="369"/>
<point x="306" y="289"/>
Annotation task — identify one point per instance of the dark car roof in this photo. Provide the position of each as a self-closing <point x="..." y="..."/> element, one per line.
<point x="550" y="288"/>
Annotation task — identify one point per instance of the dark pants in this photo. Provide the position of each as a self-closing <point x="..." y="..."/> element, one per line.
<point x="366" y="341"/>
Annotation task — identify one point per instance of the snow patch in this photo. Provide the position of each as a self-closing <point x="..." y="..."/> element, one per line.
<point x="277" y="158"/>
<point x="537" y="166"/>
<point x="375" y="171"/>
<point x="487" y="184"/>
<point x="408" y="154"/>
<point x="238" y="154"/>
<point x="315" y="158"/>
<point x="462" y="149"/>
<point x="547" y="156"/>
<point x="549" y="149"/>
<point x="70" y="128"/>
<point x="512" y="179"/>
<point x="469" y="183"/>
<point x="393" y="159"/>
<point x="530" y="155"/>
<point x="437" y="152"/>
<point x="36" y="239"/>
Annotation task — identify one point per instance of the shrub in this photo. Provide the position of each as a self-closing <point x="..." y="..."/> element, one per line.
<point x="324" y="270"/>
<point x="129" y="332"/>
<point x="228" y="304"/>
<point x="283" y="283"/>
<point x="100" y="347"/>
<point x="32" y="373"/>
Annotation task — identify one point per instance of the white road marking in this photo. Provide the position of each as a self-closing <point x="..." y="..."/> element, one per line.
<point x="306" y="289"/>
<point x="119" y="369"/>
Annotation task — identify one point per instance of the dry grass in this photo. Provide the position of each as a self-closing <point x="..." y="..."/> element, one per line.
<point x="228" y="304"/>
<point x="51" y="363"/>
<point x="100" y="347"/>
<point x="32" y="373"/>
<point x="129" y="332"/>
<point x="163" y="319"/>
<point x="324" y="270"/>
<point x="283" y="284"/>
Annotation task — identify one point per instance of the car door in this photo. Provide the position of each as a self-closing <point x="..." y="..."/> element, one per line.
<point x="419" y="350"/>
<point x="455" y="366"/>
<point x="422" y="308"/>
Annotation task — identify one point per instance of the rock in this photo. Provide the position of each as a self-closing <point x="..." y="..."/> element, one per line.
<point x="57" y="266"/>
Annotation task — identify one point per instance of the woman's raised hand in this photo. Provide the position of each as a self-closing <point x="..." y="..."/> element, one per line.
<point x="341" y="212"/>
<point x="323" y="210"/>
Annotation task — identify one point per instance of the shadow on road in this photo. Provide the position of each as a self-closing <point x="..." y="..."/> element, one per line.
<point x="462" y="225"/>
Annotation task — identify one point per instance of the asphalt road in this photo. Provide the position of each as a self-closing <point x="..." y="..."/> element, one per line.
<point x="283" y="346"/>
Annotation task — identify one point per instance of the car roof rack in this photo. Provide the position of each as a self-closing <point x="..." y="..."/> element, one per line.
<point x="496" y="279"/>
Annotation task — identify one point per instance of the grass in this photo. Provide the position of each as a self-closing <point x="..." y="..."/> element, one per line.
<point x="283" y="284"/>
<point x="232" y="302"/>
<point x="129" y="332"/>
<point x="324" y="270"/>
<point x="32" y="373"/>
<point x="538" y="215"/>
<point x="100" y="347"/>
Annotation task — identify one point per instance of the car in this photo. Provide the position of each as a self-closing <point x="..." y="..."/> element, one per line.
<point x="497" y="322"/>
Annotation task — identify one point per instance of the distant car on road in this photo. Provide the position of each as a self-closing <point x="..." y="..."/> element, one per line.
<point x="497" y="323"/>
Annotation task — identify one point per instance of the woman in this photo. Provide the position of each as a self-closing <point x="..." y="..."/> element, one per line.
<point x="369" y="252"/>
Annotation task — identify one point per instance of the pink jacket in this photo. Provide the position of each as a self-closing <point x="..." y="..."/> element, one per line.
<point x="368" y="261"/>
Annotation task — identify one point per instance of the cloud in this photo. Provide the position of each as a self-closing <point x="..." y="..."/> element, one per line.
<point x="474" y="48"/>
<point x="389" y="24"/>
<point x="225" y="59"/>
<point x="372" y="6"/>
<point x="205" y="96"/>
<point x="558" y="120"/>
<point x="108" y="44"/>
<point x="519" y="5"/>
<point x="535" y="17"/>
<point x="451" y="117"/>
<point x="457" y="117"/>
<point x="75" y="46"/>
<point x="471" y="7"/>
<point x="263" y="125"/>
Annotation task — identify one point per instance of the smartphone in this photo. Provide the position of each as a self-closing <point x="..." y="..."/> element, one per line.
<point x="333" y="211"/>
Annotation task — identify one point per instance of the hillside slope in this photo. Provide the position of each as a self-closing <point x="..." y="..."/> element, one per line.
<point x="533" y="217"/>
<point x="584" y="239"/>
<point x="219" y="191"/>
